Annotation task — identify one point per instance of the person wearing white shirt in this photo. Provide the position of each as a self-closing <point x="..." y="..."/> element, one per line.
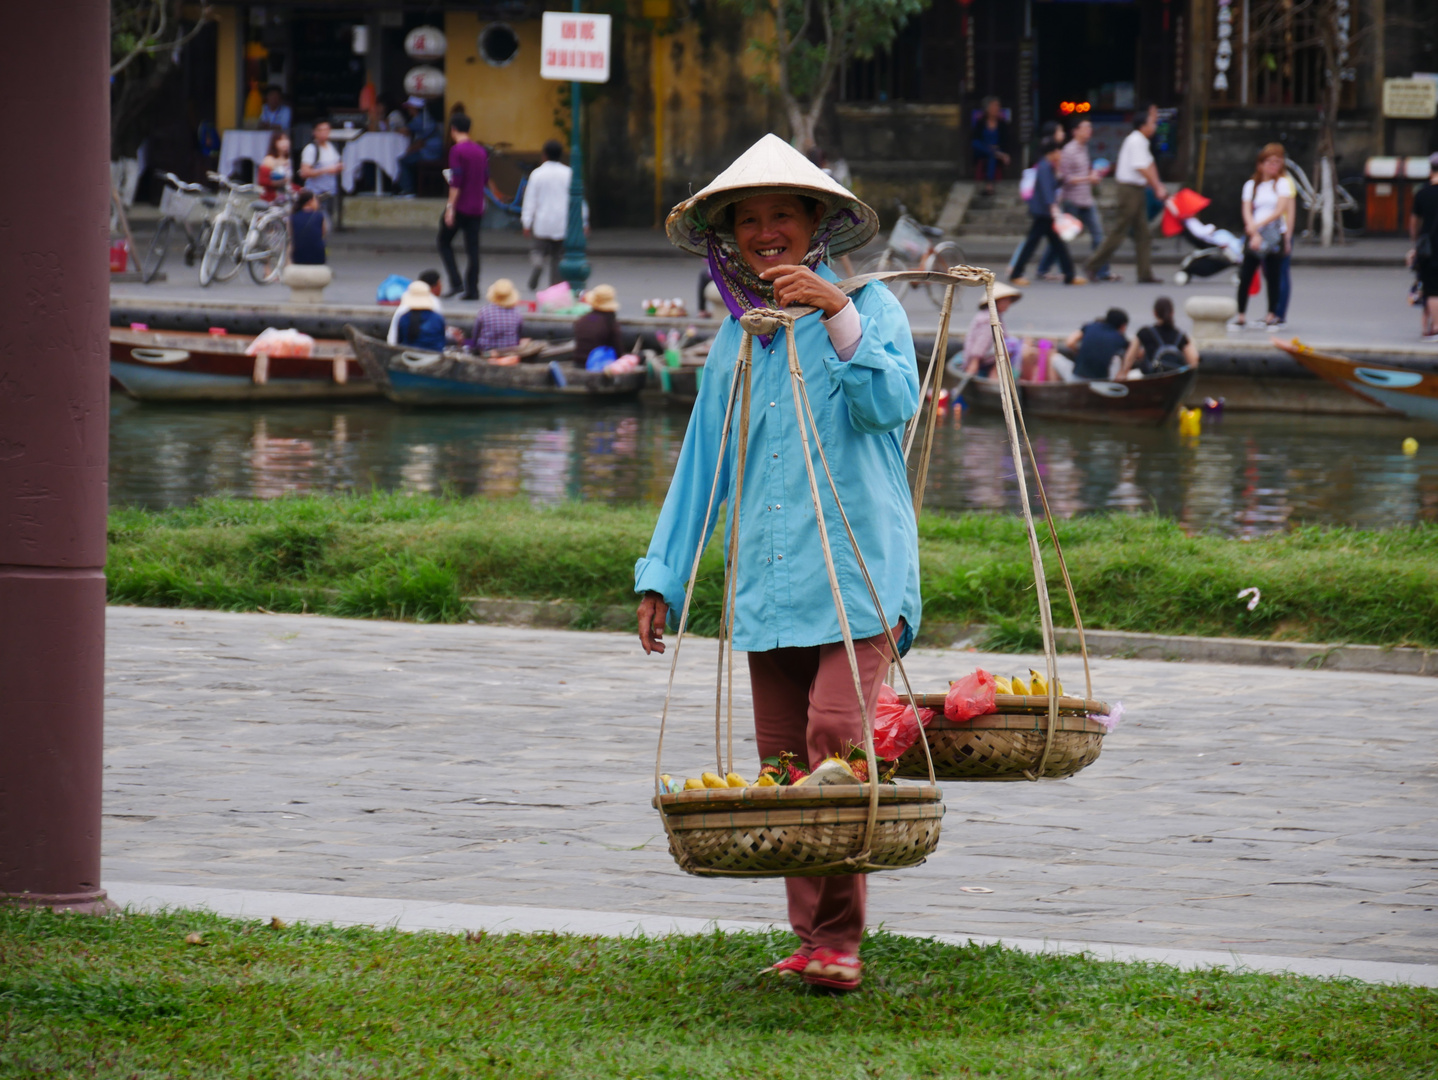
<point x="545" y="214"/>
<point x="320" y="166"/>
<point x="1135" y="172"/>
<point x="1266" y="201"/>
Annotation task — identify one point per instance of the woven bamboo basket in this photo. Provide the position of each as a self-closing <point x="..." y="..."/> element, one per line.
<point x="806" y="831"/>
<point x="1009" y="744"/>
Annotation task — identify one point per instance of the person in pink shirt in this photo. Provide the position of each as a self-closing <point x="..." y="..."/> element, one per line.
<point x="468" y="177"/>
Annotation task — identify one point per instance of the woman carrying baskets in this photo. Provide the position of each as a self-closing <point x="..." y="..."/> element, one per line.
<point x="766" y="225"/>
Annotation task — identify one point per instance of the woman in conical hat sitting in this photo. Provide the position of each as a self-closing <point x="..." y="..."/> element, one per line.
<point x="766" y="225"/>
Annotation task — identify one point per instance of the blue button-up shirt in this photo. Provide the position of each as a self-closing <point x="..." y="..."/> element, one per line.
<point x="783" y="596"/>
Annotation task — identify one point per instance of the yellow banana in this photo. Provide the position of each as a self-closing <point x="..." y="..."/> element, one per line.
<point x="1058" y="683"/>
<point x="1020" y="687"/>
<point x="733" y="779"/>
<point x="766" y="781"/>
<point x="713" y="780"/>
<point x="1037" y="683"/>
<point x="1002" y="685"/>
<point x="693" y="785"/>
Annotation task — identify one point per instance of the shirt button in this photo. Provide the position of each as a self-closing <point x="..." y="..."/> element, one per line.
<point x="771" y="405"/>
<point x="781" y="558"/>
<point x="776" y="455"/>
<point x="778" y="506"/>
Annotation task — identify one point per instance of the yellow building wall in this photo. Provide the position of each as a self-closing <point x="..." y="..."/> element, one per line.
<point x="509" y="104"/>
<point x="227" y="76"/>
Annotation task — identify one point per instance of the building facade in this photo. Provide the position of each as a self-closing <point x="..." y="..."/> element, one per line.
<point x="688" y="85"/>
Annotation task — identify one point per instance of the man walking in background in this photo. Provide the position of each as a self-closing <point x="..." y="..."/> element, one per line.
<point x="1078" y="178"/>
<point x="1135" y="172"/>
<point x="468" y="177"/>
<point x="545" y="215"/>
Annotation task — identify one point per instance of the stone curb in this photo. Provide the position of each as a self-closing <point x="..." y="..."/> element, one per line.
<point x="1289" y="654"/>
<point x="422" y="915"/>
<point x="1118" y="644"/>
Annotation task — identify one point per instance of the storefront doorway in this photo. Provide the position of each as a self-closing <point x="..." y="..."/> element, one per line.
<point x="1087" y="54"/>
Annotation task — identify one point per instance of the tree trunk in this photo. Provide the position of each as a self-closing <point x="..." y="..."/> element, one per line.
<point x="801" y="124"/>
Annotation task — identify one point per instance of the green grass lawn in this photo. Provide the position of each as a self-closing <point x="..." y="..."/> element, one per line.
<point x="129" y="998"/>
<point x="416" y="557"/>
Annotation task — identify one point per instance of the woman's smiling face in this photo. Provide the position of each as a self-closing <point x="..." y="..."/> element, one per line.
<point x="774" y="230"/>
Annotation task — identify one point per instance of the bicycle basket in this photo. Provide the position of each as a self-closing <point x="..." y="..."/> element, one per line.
<point x="908" y="241"/>
<point x="176" y="203"/>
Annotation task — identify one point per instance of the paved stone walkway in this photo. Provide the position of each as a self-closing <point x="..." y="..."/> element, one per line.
<point x="1246" y="809"/>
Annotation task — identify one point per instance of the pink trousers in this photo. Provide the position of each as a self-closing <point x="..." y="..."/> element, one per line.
<point x="804" y="703"/>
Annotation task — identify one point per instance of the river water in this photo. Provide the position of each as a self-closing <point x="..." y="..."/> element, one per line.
<point x="1246" y="475"/>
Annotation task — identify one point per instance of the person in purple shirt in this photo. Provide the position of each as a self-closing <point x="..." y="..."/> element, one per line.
<point x="468" y="177"/>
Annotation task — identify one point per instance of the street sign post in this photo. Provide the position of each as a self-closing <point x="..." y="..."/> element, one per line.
<point x="574" y="47"/>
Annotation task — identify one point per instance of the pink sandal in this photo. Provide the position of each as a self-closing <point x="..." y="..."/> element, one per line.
<point x="790" y="965"/>
<point x="834" y="970"/>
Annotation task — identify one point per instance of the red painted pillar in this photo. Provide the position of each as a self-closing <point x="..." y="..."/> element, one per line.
<point x="54" y="435"/>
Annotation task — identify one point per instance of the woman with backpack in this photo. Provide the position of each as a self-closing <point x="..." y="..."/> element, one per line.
<point x="1161" y="347"/>
<point x="1266" y="197"/>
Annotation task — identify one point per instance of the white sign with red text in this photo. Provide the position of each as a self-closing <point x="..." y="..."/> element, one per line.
<point x="574" y="47"/>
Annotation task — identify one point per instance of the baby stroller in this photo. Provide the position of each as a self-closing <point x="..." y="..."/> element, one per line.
<point x="1215" y="249"/>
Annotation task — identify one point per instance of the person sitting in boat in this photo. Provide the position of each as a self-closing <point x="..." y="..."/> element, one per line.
<point x="1095" y="348"/>
<point x="499" y="323"/>
<point x="979" y="358"/>
<point x="1159" y="348"/>
<point x="766" y="226"/>
<point x="422" y="326"/>
<point x="431" y="280"/>
<point x="599" y="328"/>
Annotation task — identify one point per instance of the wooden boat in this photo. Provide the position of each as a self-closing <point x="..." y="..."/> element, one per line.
<point x="419" y="377"/>
<point x="182" y="365"/>
<point x="1150" y="400"/>
<point x="1402" y="390"/>
<point x="676" y="386"/>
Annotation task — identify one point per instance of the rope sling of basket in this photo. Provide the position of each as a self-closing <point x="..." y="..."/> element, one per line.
<point x="765" y="322"/>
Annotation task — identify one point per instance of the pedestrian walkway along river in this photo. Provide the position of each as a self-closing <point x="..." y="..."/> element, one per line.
<point x="1245" y="809"/>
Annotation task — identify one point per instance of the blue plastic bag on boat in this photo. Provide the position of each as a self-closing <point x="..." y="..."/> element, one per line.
<point x="600" y="357"/>
<point x="391" y="289"/>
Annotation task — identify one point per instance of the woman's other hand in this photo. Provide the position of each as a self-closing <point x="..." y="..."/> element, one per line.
<point x="653" y="612"/>
<point x="798" y="285"/>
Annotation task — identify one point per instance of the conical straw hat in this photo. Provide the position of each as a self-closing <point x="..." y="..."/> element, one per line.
<point x="1002" y="289"/>
<point x="771" y="166"/>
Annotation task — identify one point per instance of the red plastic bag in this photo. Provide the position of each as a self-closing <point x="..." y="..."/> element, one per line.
<point x="895" y="729"/>
<point x="971" y="696"/>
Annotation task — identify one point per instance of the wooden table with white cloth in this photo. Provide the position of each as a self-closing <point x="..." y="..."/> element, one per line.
<point x="240" y="144"/>
<point x="384" y="148"/>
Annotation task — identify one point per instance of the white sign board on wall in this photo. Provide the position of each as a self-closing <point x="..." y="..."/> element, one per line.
<point x="574" y="47"/>
<point x="1410" y="99"/>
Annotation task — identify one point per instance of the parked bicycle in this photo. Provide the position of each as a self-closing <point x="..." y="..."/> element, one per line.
<point x="248" y="232"/>
<point x="178" y="204"/>
<point x="913" y="246"/>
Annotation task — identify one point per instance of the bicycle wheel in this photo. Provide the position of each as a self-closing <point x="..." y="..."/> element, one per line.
<point x="265" y="254"/>
<point x="231" y="252"/>
<point x="945" y="254"/>
<point x="196" y="242"/>
<point x="882" y="263"/>
<point x="154" y="256"/>
<point x="210" y="260"/>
